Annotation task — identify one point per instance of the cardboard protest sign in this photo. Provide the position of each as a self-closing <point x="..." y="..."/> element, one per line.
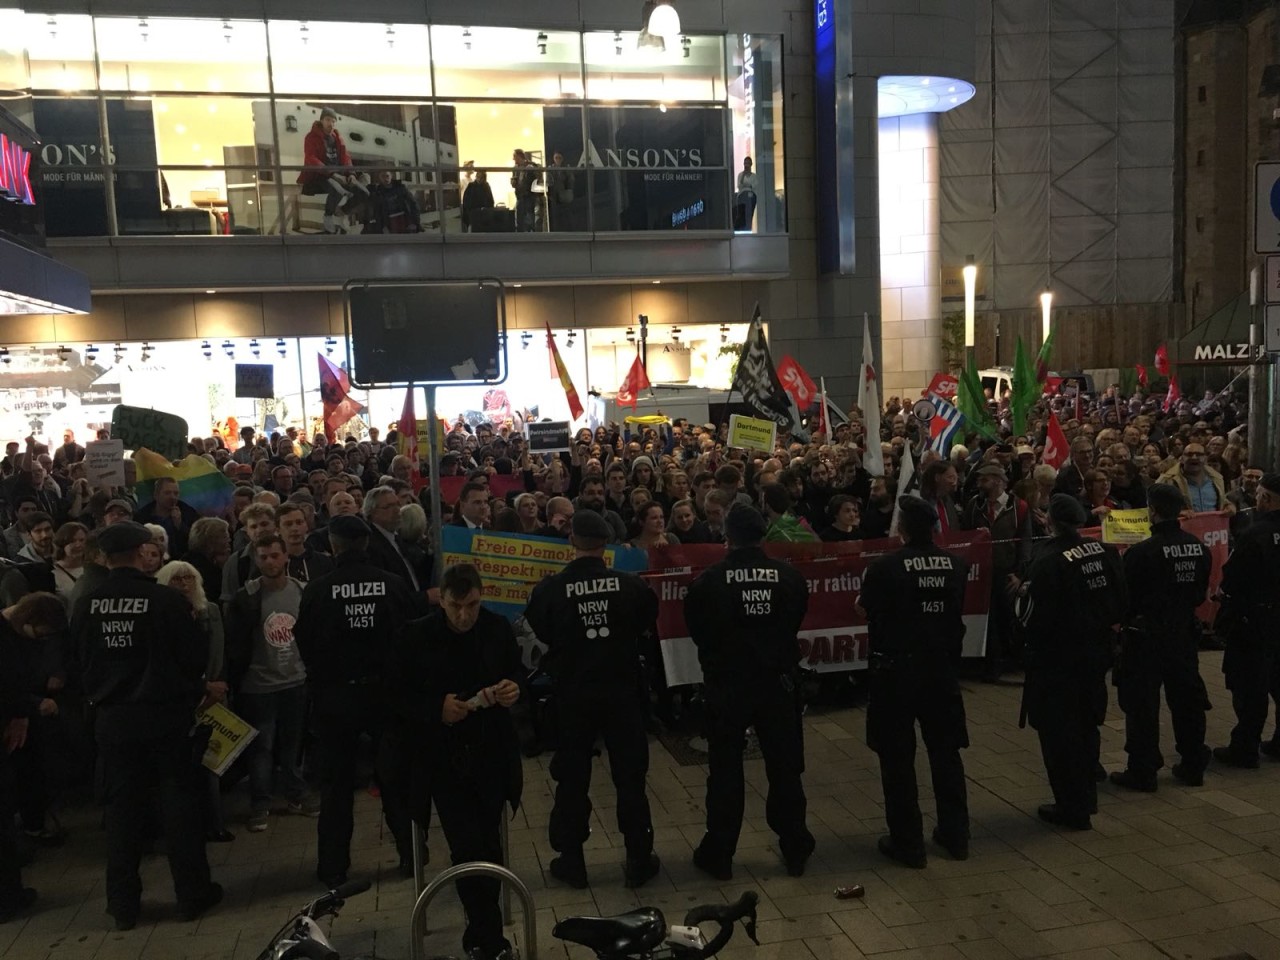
<point x="141" y="427"/>
<point x="104" y="463"/>
<point x="750" y="433"/>
<point x="228" y="737"/>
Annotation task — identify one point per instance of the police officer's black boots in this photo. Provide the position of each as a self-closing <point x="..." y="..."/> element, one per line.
<point x="570" y="868"/>
<point x="638" y="872"/>
<point x="719" y="868"/>
<point x="1132" y="780"/>
<point x="957" y="847"/>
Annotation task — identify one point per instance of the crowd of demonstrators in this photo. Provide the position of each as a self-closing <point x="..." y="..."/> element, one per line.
<point x="286" y="607"/>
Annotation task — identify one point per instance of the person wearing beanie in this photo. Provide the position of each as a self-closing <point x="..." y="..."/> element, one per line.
<point x="595" y="622"/>
<point x="913" y="600"/>
<point x="743" y="615"/>
<point x="142" y="658"/>
<point x="328" y="170"/>
<point x="1167" y="576"/>
<point x="1072" y="605"/>
<point x="1251" y="585"/>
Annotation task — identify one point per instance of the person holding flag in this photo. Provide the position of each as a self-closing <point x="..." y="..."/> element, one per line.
<point x="637" y="379"/>
<point x="757" y="381"/>
<point x="869" y="404"/>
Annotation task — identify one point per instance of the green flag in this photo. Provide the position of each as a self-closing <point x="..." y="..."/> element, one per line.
<point x="1042" y="358"/>
<point x="973" y="403"/>
<point x="1026" y="389"/>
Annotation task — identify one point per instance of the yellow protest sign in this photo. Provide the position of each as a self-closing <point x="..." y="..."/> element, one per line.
<point x="1126" y="526"/>
<point x="752" y="434"/>
<point x="424" y="438"/>
<point x="228" y="737"/>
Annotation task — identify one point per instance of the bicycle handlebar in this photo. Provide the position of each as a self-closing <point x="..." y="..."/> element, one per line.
<point x="726" y="916"/>
<point x="335" y="896"/>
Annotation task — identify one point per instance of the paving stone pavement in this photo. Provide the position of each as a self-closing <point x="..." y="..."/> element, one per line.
<point x="1182" y="874"/>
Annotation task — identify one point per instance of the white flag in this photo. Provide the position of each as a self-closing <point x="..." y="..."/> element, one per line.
<point x="869" y="402"/>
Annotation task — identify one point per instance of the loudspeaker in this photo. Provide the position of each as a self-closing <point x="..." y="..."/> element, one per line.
<point x="437" y="333"/>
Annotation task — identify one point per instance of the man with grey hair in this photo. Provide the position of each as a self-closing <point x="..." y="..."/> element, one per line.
<point x="382" y="512"/>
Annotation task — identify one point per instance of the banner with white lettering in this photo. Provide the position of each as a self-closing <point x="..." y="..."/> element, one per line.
<point x="511" y="564"/>
<point x="833" y="637"/>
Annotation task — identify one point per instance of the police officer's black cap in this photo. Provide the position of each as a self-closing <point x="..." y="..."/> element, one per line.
<point x="589" y="525"/>
<point x="348" y="527"/>
<point x="1165" y="499"/>
<point x="123" y="537"/>
<point x="1067" y="510"/>
<point x="1271" y="482"/>
<point x="745" y="525"/>
<point x="916" y="511"/>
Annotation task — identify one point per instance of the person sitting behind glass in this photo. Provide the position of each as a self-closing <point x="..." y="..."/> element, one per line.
<point x="392" y="208"/>
<point x="745" y="202"/>
<point x="478" y="196"/>
<point x="324" y="147"/>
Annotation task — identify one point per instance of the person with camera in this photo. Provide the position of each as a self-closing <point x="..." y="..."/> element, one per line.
<point x="743" y="614"/>
<point x="913" y="600"/>
<point x="595" y="622"/>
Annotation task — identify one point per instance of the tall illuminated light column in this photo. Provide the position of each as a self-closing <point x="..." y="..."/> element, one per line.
<point x="1046" y="314"/>
<point x="910" y="226"/>
<point x="970" y="306"/>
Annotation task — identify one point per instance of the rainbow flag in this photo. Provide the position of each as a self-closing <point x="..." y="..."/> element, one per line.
<point x="200" y="483"/>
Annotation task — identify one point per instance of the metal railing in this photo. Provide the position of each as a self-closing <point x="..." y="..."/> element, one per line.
<point x="417" y="921"/>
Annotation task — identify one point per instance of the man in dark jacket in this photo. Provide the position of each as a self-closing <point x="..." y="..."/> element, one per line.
<point x="594" y="621"/>
<point x="455" y="674"/>
<point x="743" y="614"/>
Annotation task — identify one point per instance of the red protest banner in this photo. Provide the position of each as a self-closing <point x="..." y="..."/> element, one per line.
<point x="797" y="383"/>
<point x="943" y="385"/>
<point x="833" y="637"/>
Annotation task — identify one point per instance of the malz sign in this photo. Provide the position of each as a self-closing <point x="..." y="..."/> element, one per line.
<point x="15" y="171"/>
<point x="1227" y="352"/>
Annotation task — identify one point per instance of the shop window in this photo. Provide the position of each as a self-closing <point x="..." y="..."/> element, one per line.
<point x="755" y="102"/>
<point x="15" y="75"/>
<point x="315" y="57"/>
<point x="60" y="52"/>
<point x="488" y="62"/>
<point x="412" y="142"/>
<point x="620" y="67"/>
<point x="173" y="54"/>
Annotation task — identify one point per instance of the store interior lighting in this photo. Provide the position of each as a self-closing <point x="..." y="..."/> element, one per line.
<point x="329" y="345"/>
<point x="90" y="353"/>
<point x="229" y="348"/>
<point x="661" y="19"/>
<point x="255" y="348"/>
<point x="119" y="352"/>
<point x="281" y="348"/>
<point x="207" y="349"/>
<point x="524" y="340"/>
<point x="542" y="44"/>
<point x="901" y="96"/>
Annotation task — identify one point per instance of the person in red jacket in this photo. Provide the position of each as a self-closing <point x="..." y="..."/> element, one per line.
<point x="325" y="149"/>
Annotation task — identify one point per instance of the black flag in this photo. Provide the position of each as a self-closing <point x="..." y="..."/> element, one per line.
<point x="757" y="380"/>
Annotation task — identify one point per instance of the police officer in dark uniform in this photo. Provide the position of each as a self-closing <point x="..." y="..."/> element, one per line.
<point x="1072" y="605"/>
<point x="1251" y="612"/>
<point x="346" y="621"/>
<point x="142" y="658"/>
<point x="458" y="670"/>
<point x="1167" y="577"/>
<point x="743" y="614"/>
<point x="594" y="621"/>
<point x="913" y="600"/>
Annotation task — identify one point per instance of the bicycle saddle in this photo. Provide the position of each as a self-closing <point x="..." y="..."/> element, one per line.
<point x="627" y="933"/>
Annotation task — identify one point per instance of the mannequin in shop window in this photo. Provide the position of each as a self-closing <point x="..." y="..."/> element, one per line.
<point x="744" y="204"/>
<point x="336" y="179"/>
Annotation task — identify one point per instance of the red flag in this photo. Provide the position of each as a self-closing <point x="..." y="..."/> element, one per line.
<point x="1052" y="385"/>
<point x="636" y="380"/>
<point x="338" y="406"/>
<point x="1162" y="360"/>
<point x="1173" y="396"/>
<point x="797" y="383"/>
<point x="558" y="369"/>
<point x="407" y="428"/>
<point x="1142" y="375"/>
<point x="943" y="385"/>
<point x="1056" y="450"/>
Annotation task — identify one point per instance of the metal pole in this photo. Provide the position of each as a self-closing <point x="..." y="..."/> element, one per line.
<point x="1258" y="440"/>
<point x="433" y="473"/>
<point x="417" y="921"/>
<point x="644" y="342"/>
<point x="302" y="386"/>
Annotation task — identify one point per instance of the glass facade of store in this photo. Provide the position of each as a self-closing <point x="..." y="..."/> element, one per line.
<point x="206" y="127"/>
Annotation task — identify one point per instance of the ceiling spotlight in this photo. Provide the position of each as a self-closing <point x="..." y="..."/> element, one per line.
<point x="685" y="44"/>
<point x="617" y="42"/>
<point x="64" y="352"/>
<point x="329" y="344"/>
<point x="675" y="334"/>
<point x="466" y="37"/>
<point x="304" y="32"/>
<point x="662" y="20"/>
<point x="569" y="341"/>
<point x="144" y="28"/>
<point x="525" y="338"/>
<point x="229" y="348"/>
<point x="724" y="333"/>
<point x="4" y="356"/>
<point x="255" y="348"/>
<point x="91" y="353"/>
<point x="226" y="30"/>
<point x="52" y="24"/>
<point x="119" y="352"/>
<point x="631" y="334"/>
<point x="207" y="349"/>
<point x="542" y="43"/>
<point x="391" y="35"/>
<point x="281" y="348"/>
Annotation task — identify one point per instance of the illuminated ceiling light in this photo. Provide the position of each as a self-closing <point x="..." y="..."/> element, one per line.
<point x="631" y="334"/>
<point x="391" y="35"/>
<point x="146" y="351"/>
<point x="466" y="38"/>
<point x="542" y="43"/>
<point x="572" y="334"/>
<point x="144" y="29"/>
<point x="180" y="128"/>
<point x="304" y="32"/>
<point x="924" y="81"/>
<point x="63" y="352"/>
<point x="617" y="42"/>
<point x="281" y="347"/>
<point x="255" y="348"/>
<point x="329" y="344"/>
<point x="524" y="340"/>
<point x="227" y="30"/>
<point x="901" y="96"/>
<point x="211" y="291"/>
<point x="207" y="349"/>
<point x="52" y="24"/>
<point x="91" y="353"/>
<point x="229" y="348"/>
<point x="662" y="108"/>
<point x="656" y="282"/>
<point x="663" y="20"/>
<point x="675" y="334"/>
<point x="119" y="352"/>
<point x="685" y="44"/>
<point x="4" y="356"/>
<point x="724" y="333"/>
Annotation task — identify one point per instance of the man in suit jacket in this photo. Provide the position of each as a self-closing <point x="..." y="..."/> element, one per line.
<point x="382" y="511"/>
<point x="473" y="507"/>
